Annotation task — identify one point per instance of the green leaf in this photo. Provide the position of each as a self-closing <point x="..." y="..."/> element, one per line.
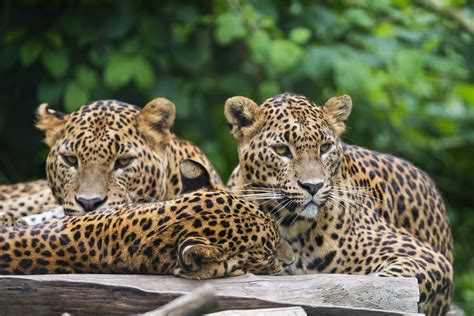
<point x="268" y="88"/>
<point x="404" y="4"/>
<point x="118" y="71"/>
<point x="466" y="91"/>
<point x="319" y="60"/>
<point x="384" y="29"/>
<point x="122" y="68"/>
<point x="408" y="64"/>
<point x="86" y="77"/>
<point x="352" y="76"/>
<point x="29" y="52"/>
<point x="143" y="73"/>
<point x="295" y="8"/>
<point x="56" y="62"/>
<point x="230" y="26"/>
<point x="359" y="17"/>
<point x="260" y="44"/>
<point x="413" y="36"/>
<point x="74" y="97"/>
<point x="132" y="46"/>
<point x="54" y="38"/>
<point x="181" y="32"/>
<point x="325" y="22"/>
<point x="300" y="35"/>
<point x="285" y="54"/>
<point x="100" y="55"/>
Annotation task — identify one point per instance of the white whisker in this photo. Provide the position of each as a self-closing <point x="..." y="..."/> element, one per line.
<point x="269" y="200"/>
<point x="280" y="220"/>
<point x="360" y="196"/>
<point x="277" y="208"/>
<point x="259" y="194"/>
<point x="253" y="190"/>
<point x="352" y="204"/>
<point x="294" y="219"/>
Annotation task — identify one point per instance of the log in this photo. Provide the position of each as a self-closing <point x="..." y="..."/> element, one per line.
<point x="455" y="310"/>
<point x="285" y="311"/>
<point x="200" y="301"/>
<point x="317" y="294"/>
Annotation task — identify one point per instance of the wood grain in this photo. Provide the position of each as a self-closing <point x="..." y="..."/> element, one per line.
<point x="322" y="294"/>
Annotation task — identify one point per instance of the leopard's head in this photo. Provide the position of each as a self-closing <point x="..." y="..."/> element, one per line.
<point x="225" y="235"/>
<point x="289" y="150"/>
<point x="106" y="153"/>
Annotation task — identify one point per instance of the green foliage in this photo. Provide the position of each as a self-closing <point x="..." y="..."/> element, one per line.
<point x="410" y="73"/>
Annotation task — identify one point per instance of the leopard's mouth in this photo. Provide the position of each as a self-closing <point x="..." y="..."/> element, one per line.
<point x="312" y="205"/>
<point x="307" y="209"/>
<point x="72" y="212"/>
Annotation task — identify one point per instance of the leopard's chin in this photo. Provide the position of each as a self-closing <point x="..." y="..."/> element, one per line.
<point x="310" y="210"/>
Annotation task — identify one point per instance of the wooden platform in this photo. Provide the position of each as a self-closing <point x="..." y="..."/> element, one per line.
<point x="124" y="294"/>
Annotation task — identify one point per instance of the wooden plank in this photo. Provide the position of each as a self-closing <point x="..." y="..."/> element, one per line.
<point x="285" y="311"/>
<point x="200" y="301"/>
<point x="323" y="294"/>
<point x="455" y="310"/>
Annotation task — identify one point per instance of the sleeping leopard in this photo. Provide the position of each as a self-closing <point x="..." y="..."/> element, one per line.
<point x="205" y="233"/>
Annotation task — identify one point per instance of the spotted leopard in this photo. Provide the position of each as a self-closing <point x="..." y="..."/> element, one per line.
<point x="107" y="153"/>
<point x="206" y="233"/>
<point x="343" y="208"/>
<point x="22" y="199"/>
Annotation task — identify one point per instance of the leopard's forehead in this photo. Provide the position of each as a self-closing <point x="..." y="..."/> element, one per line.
<point x="294" y="118"/>
<point x="107" y="128"/>
<point x="104" y="114"/>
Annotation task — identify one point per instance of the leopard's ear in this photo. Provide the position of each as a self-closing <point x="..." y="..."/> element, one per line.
<point x="194" y="251"/>
<point x="241" y="114"/>
<point x="194" y="176"/>
<point x="156" y="119"/>
<point x="51" y="122"/>
<point x="338" y="110"/>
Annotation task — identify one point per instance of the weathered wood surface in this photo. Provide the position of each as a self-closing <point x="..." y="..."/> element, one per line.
<point x="317" y="294"/>
<point x="200" y="301"/>
<point x="455" y="311"/>
<point x="285" y="311"/>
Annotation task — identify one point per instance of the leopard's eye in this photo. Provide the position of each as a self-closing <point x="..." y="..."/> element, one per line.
<point x="282" y="150"/>
<point x="71" y="161"/>
<point x="123" y="162"/>
<point x="324" y="148"/>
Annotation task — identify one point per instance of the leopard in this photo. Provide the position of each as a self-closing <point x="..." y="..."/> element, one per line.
<point x="22" y="199"/>
<point x="343" y="208"/>
<point x="105" y="153"/>
<point x="206" y="232"/>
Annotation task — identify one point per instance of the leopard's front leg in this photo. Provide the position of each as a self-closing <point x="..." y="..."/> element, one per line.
<point x="433" y="272"/>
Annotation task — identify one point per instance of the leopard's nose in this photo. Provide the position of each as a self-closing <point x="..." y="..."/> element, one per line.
<point x="311" y="187"/>
<point x="90" y="204"/>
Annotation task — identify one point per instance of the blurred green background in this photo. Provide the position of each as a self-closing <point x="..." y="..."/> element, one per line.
<point x="408" y="65"/>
